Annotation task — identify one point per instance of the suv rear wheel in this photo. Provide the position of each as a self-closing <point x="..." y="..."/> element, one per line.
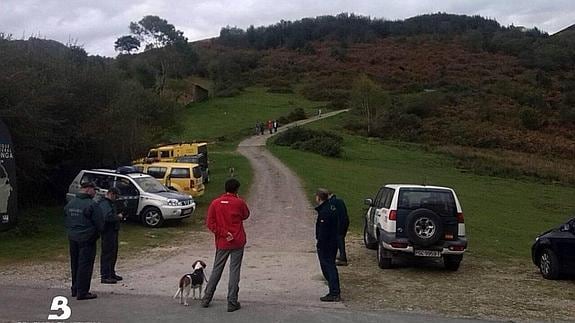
<point x="368" y="240"/>
<point x="424" y="227"/>
<point x="152" y="217"/>
<point x="548" y="264"/>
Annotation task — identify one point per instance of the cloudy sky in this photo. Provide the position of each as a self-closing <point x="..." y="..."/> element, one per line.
<point x="97" y="24"/>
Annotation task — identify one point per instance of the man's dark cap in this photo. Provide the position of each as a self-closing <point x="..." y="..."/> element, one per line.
<point x="114" y="190"/>
<point x="88" y="184"/>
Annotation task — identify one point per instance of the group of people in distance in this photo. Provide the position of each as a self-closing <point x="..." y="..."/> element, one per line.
<point x="272" y="127"/>
<point x="87" y="220"/>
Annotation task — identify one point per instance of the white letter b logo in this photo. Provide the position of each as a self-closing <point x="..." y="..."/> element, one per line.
<point x="60" y="303"/>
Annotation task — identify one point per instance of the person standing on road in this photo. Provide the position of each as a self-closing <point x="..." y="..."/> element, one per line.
<point x="83" y="226"/>
<point x="262" y="128"/>
<point x="225" y="219"/>
<point x="326" y="233"/>
<point x="276" y="124"/>
<point x="109" y="253"/>
<point x="270" y="126"/>
<point x="343" y="226"/>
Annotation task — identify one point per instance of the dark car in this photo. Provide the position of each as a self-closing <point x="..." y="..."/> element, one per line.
<point x="554" y="251"/>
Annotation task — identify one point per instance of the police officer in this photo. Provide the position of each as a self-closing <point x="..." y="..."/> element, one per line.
<point x="111" y="219"/>
<point x="343" y="226"/>
<point x="326" y="232"/>
<point x="83" y="226"/>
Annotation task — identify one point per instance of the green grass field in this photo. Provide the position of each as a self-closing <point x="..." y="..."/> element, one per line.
<point x="234" y="118"/>
<point x="502" y="216"/>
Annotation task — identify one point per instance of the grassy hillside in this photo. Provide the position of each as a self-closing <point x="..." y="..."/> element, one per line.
<point x="502" y="216"/>
<point x="228" y="120"/>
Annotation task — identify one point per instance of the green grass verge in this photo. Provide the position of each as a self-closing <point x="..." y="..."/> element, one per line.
<point x="231" y="119"/>
<point x="502" y="216"/>
<point x="41" y="235"/>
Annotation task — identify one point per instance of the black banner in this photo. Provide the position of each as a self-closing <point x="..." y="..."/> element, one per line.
<point x="8" y="198"/>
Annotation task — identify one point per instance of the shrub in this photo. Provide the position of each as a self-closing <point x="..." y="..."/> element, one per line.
<point x="325" y="146"/>
<point x="531" y="119"/>
<point x="295" y="115"/>
<point x="320" y="142"/>
<point x="293" y="135"/>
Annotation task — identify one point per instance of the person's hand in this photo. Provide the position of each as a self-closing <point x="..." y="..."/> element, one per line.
<point x="120" y="216"/>
<point x="229" y="237"/>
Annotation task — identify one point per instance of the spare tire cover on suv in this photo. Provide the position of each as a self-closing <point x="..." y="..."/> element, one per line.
<point x="424" y="227"/>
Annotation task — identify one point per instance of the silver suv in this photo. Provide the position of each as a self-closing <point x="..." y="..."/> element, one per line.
<point x="415" y="220"/>
<point x="142" y="197"/>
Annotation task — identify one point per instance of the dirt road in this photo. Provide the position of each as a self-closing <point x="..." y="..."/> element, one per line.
<point x="281" y="270"/>
<point x="280" y="264"/>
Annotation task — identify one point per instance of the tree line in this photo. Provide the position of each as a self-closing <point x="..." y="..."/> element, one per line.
<point x="67" y="110"/>
<point x="534" y="47"/>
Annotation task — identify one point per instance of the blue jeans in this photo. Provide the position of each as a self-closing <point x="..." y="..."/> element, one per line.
<point x="329" y="270"/>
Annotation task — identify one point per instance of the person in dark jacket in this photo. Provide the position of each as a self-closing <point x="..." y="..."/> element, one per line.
<point x="262" y="128"/>
<point x="225" y="219"/>
<point x="343" y="226"/>
<point x="326" y="233"/>
<point x="109" y="254"/>
<point x="83" y="227"/>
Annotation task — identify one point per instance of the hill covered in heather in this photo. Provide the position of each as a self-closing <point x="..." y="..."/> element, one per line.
<point x="438" y="78"/>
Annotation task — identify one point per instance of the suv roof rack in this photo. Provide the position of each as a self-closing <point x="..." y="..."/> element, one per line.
<point x="127" y="170"/>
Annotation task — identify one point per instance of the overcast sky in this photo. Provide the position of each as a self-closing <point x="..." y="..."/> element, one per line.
<point x="97" y="24"/>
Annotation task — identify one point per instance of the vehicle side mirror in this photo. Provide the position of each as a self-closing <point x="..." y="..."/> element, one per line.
<point x="565" y="227"/>
<point x="368" y="202"/>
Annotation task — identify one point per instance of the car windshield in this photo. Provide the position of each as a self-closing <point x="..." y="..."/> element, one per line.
<point x="150" y="185"/>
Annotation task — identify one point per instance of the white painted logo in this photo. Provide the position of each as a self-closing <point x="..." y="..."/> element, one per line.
<point x="60" y="303"/>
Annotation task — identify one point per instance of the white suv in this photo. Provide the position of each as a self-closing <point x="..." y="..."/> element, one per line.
<point x="416" y="220"/>
<point x="142" y="197"/>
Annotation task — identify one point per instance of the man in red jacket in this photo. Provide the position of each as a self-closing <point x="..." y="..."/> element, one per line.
<point x="225" y="219"/>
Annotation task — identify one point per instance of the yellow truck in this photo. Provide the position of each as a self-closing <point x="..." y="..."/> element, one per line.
<point x="182" y="177"/>
<point x="196" y="153"/>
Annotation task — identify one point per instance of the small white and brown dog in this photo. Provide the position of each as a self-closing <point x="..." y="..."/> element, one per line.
<point x="191" y="282"/>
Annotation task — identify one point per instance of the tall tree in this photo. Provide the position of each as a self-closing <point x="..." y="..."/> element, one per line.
<point x="367" y="97"/>
<point x="156" y="32"/>
<point x="127" y="44"/>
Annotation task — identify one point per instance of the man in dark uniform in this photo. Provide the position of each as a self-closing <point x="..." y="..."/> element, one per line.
<point x="83" y="226"/>
<point x="111" y="219"/>
<point x="326" y="233"/>
<point x="343" y="226"/>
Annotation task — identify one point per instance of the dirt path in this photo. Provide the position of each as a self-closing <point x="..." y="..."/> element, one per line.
<point x="280" y="264"/>
<point x="281" y="268"/>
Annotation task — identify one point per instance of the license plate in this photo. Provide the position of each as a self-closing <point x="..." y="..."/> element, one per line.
<point x="427" y="253"/>
<point x="188" y="211"/>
